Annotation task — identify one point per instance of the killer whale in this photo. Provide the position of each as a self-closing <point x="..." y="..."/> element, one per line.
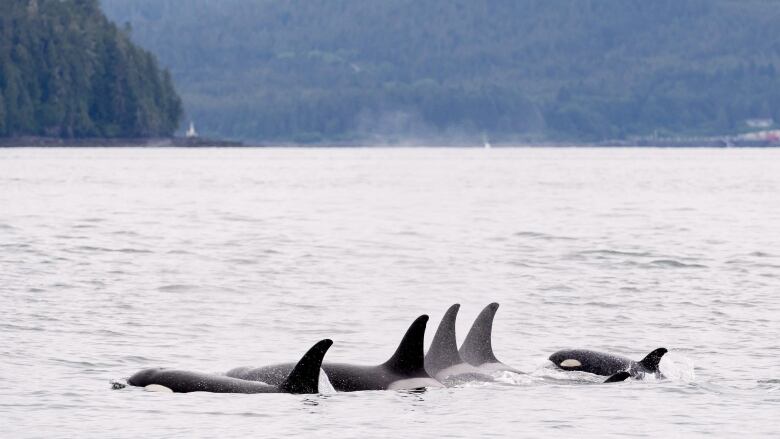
<point x="616" y="367"/>
<point x="443" y="362"/>
<point x="404" y="370"/>
<point x="303" y="378"/>
<point x="477" y="348"/>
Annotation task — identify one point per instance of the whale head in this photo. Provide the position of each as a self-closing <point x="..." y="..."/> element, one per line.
<point x="567" y="360"/>
<point x="144" y="377"/>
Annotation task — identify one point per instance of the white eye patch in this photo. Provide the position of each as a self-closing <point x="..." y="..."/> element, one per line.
<point x="570" y="363"/>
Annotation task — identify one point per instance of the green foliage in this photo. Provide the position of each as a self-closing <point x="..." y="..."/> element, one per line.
<point x="66" y="71"/>
<point x="318" y="70"/>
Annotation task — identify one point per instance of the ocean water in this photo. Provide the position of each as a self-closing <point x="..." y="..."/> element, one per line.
<point x="114" y="260"/>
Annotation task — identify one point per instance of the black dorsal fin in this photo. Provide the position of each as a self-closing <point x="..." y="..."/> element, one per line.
<point x="650" y="362"/>
<point x="305" y="376"/>
<point x="409" y="358"/>
<point x="477" y="349"/>
<point x="443" y="352"/>
<point x="618" y="377"/>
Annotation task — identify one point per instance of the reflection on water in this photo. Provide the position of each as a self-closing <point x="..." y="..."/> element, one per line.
<point x="117" y="260"/>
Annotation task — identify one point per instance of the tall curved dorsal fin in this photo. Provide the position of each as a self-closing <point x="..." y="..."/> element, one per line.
<point x="477" y="349"/>
<point x="443" y="352"/>
<point x="305" y="376"/>
<point x="651" y="361"/>
<point x="409" y="358"/>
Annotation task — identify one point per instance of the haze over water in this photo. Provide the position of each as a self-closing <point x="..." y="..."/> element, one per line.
<point x="116" y="260"/>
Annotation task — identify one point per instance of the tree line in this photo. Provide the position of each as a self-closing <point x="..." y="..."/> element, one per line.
<point x="341" y="70"/>
<point x="67" y="71"/>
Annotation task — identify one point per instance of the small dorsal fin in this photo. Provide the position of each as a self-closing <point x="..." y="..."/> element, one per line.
<point x="305" y="376"/>
<point x="618" y="377"/>
<point x="409" y="358"/>
<point x="443" y="352"/>
<point x="477" y="349"/>
<point x="651" y="361"/>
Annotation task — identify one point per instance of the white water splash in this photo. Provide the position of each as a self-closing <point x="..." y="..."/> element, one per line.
<point x="508" y="377"/>
<point x="676" y="367"/>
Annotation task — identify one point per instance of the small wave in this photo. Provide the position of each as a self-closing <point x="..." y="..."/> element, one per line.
<point x="608" y="252"/>
<point x="604" y="304"/>
<point x="241" y="219"/>
<point x="131" y="250"/>
<point x="125" y="233"/>
<point x="408" y="233"/>
<point x="544" y="236"/>
<point x="241" y="261"/>
<point x="215" y="413"/>
<point x="89" y="248"/>
<point x="299" y="305"/>
<point x="135" y="359"/>
<point x="671" y="263"/>
<point x="109" y="332"/>
<point x="79" y="364"/>
<point x="177" y="288"/>
<point x="556" y="287"/>
<point x="179" y="252"/>
<point x="15" y="246"/>
<point x="11" y="326"/>
<point x="760" y="254"/>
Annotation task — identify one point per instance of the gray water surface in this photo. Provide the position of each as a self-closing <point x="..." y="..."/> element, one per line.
<point x="116" y="260"/>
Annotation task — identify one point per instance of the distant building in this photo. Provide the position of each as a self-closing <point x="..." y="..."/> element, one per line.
<point x="191" y="133"/>
<point x="760" y="123"/>
<point x="765" y="136"/>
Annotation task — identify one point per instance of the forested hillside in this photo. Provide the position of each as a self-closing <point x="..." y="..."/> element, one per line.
<point x="66" y="71"/>
<point x="385" y="70"/>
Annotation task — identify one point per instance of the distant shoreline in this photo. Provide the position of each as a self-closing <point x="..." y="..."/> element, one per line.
<point x="200" y="142"/>
<point x="158" y="142"/>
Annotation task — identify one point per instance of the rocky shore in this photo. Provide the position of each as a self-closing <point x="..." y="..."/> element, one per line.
<point x="42" y="142"/>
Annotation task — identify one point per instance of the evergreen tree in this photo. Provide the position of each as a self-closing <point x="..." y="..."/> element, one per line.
<point x="280" y="70"/>
<point x="67" y="71"/>
<point x="2" y="115"/>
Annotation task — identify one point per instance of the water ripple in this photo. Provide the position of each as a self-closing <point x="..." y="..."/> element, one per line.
<point x="213" y="267"/>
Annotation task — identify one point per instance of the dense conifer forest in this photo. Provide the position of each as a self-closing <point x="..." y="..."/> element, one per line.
<point x="389" y="70"/>
<point x="325" y="70"/>
<point x="66" y="71"/>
